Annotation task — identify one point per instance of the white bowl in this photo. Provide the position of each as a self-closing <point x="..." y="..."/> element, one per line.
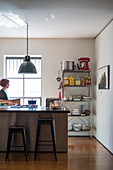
<point x="77" y="127"/>
<point x="69" y="126"/>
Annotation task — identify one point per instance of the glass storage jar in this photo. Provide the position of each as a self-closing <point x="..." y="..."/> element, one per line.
<point x="71" y="81"/>
<point x="66" y="81"/>
<point x="77" y="82"/>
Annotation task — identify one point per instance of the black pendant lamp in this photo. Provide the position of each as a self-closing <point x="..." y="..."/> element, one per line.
<point x="27" y="67"/>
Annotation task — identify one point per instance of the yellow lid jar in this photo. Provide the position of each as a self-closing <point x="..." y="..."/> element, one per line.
<point x="71" y="81"/>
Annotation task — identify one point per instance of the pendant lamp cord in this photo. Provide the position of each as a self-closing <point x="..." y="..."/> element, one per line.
<point x="27" y="36"/>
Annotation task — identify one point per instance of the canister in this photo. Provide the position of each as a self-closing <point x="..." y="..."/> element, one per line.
<point x="71" y="81"/>
<point x="83" y="81"/>
<point x="88" y="81"/>
<point x="78" y="82"/>
<point x="70" y="98"/>
<point x="66" y="81"/>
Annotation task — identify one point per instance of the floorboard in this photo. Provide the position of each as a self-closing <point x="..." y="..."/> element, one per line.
<point x="83" y="154"/>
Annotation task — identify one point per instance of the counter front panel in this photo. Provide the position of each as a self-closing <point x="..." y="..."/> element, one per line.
<point x="28" y="117"/>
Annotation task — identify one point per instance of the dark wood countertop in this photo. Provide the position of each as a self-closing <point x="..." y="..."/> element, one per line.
<point x="35" y="110"/>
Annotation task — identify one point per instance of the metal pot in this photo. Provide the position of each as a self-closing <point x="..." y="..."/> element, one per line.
<point x="67" y="65"/>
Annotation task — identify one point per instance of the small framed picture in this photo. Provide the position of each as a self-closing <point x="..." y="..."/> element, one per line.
<point x="104" y="77"/>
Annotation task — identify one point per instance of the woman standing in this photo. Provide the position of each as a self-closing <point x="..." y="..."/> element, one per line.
<point x="3" y="95"/>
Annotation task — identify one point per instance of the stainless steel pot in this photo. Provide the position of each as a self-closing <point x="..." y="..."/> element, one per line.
<point x="67" y="65"/>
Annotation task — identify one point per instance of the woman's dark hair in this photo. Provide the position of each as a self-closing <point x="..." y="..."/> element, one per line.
<point x="4" y="82"/>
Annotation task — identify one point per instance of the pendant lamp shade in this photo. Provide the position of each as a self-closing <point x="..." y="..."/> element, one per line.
<point x="27" y="67"/>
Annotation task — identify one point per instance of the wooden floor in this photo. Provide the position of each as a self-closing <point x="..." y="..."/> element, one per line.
<point x="83" y="154"/>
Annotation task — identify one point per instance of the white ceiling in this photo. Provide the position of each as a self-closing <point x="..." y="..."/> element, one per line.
<point x="57" y="18"/>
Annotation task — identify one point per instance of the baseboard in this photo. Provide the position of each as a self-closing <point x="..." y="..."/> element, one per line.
<point x="103" y="146"/>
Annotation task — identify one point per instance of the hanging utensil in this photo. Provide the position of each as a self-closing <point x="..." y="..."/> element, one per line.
<point x="58" y="78"/>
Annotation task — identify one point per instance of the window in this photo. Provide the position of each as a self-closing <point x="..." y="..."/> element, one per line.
<point x="23" y="86"/>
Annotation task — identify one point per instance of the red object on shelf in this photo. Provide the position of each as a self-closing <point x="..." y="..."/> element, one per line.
<point x="60" y="95"/>
<point x="84" y="60"/>
<point x="59" y="86"/>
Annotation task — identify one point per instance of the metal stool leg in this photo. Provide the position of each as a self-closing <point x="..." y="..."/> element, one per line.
<point x="37" y="139"/>
<point x="13" y="130"/>
<point x="53" y="138"/>
<point x="8" y="144"/>
<point x="24" y="142"/>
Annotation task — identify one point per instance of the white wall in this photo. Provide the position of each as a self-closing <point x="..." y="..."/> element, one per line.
<point x="53" y="51"/>
<point x="104" y="103"/>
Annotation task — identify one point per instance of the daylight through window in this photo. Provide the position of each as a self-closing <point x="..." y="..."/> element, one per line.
<point x="23" y="86"/>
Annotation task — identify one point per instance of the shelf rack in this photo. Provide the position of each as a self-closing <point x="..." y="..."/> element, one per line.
<point x="78" y="72"/>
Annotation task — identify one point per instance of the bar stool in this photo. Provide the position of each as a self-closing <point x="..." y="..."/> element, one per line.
<point x="12" y="130"/>
<point x="51" y="122"/>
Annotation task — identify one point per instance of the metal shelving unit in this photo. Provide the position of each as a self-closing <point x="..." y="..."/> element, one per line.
<point x="82" y="73"/>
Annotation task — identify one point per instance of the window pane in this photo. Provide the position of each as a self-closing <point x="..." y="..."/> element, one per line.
<point x="37" y="63"/>
<point x="13" y="66"/>
<point x="23" y="85"/>
<point x="16" y="88"/>
<point x="32" y="88"/>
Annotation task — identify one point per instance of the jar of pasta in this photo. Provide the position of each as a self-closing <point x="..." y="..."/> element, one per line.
<point x="66" y="81"/>
<point x="71" y="81"/>
<point x="78" y="82"/>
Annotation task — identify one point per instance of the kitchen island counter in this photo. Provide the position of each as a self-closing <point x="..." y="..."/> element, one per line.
<point x="26" y="108"/>
<point x="28" y="116"/>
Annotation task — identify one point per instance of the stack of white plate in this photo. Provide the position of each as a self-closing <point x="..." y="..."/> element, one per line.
<point x="75" y="112"/>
